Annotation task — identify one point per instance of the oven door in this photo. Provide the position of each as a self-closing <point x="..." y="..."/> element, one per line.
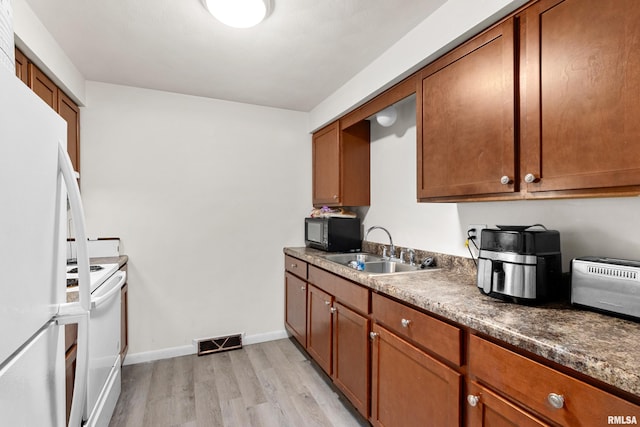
<point x="104" y="351"/>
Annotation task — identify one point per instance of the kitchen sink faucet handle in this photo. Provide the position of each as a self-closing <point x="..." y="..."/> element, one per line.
<point x="412" y="257"/>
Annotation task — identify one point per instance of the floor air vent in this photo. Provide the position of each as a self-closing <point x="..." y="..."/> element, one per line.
<point x="216" y="345"/>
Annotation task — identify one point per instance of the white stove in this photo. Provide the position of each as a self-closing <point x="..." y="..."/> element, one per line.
<point x="103" y="381"/>
<point x="98" y="274"/>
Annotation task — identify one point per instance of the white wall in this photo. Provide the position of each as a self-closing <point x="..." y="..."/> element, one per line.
<point x="607" y="227"/>
<point x="204" y="195"/>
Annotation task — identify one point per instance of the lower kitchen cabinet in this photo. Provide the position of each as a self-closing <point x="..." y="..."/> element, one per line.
<point x="409" y="387"/>
<point x="296" y="307"/>
<point x="295" y="293"/>
<point x="539" y="389"/>
<point x="124" y="322"/>
<point x="124" y="318"/>
<point x="402" y="366"/>
<point x="71" y="352"/>
<point x="320" y="327"/>
<point x="351" y="356"/>
<point x="337" y="333"/>
<point x="486" y="408"/>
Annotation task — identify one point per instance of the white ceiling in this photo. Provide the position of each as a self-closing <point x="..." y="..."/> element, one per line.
<point x="303" y="52"/>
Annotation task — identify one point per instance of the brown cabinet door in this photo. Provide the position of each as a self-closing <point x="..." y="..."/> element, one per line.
<point x="351" y="356"/>
<point x="296" y="307"/>
<point x="466" y="141"/>
<point x="326" y="165"/>
<point x="43" y="86"/>
<point x="70" y="112"/>
<point x="579" y="97"/>
<point x="319" y="326"/>
<point x="22" y="70"/>
<point x="410" y="388"/>
<point x="70" y="376"/>
<point x="341" y="165"/>
<point x="485" y="408"/>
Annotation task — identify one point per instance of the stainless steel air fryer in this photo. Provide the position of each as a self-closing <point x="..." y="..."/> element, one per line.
<point x="519" y="264"/>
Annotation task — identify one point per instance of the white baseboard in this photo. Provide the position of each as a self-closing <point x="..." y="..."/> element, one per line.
<point x="168" y="353"/>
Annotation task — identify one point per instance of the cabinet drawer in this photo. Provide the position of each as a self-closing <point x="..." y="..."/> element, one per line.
<point x="348" y="293"/>
<point x="534" y="385"/>
<point x="295" y="266"/>
<point x="432" y="334"/>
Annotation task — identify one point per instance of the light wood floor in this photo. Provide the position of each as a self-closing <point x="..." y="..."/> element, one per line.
<point x="271" y="384"/>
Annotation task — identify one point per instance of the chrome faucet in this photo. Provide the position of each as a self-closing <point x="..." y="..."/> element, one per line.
<point x="392" y="249"/>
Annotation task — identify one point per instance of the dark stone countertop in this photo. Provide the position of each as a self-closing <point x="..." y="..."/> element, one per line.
<point x="602" y="347"/>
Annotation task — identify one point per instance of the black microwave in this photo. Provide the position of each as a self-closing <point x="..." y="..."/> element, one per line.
<point x="333" y="234"/>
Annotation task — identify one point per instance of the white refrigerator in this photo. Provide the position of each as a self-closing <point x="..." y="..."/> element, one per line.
<point x="37" y="185"/>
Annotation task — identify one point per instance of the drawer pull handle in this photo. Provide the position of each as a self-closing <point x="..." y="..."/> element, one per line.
<point x="333" y="310"/>
<point x="556" y="400"/>
<point x="405" y="323"/>
<point x="373" y="335"/>
<point x="473" y="400"/>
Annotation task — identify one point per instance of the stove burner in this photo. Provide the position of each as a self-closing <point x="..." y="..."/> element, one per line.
<point x="72" y="282"/>
<point x="92" y="268"/>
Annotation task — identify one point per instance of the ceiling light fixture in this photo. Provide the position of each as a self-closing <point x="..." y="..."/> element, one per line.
<point x="239" y="13"/>
<point x="387" y="117"/>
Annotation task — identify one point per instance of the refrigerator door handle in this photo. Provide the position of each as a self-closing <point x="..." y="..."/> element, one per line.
<point x="98" y="301"/>
<point x="82" y="365"/>
<point x="77" y="213"/>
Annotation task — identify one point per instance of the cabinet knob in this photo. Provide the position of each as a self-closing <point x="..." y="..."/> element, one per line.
<point x="556" y="400"/>
<point x="505" y="180"/>
<point x="473" y="400"/>
<point x="373" y="335"/>
<point x="335" y="197"/>
<point x="405" y="323"/>
<point x="333" y="310"/>
<point x="529" y="178"/>
<point x="327" y="302"/>
<point x="294" y="265"/>
<point x="302" y="288"/>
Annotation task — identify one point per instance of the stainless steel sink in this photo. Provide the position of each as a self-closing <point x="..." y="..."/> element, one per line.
<point x="374" y="264"/>
<point x="389" y="267"/>
<point x="347" y="258"/>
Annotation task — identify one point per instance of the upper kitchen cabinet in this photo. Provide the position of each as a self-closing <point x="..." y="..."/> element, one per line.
<point x="580" y="116"/>
<point x="70" y="112"/>
<point x="22" y="67"/>
<point x="341" y="165"/>
<point x="43" y="86"/>
<point x="50" y="93"/>
<point x="466" y="119"/>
